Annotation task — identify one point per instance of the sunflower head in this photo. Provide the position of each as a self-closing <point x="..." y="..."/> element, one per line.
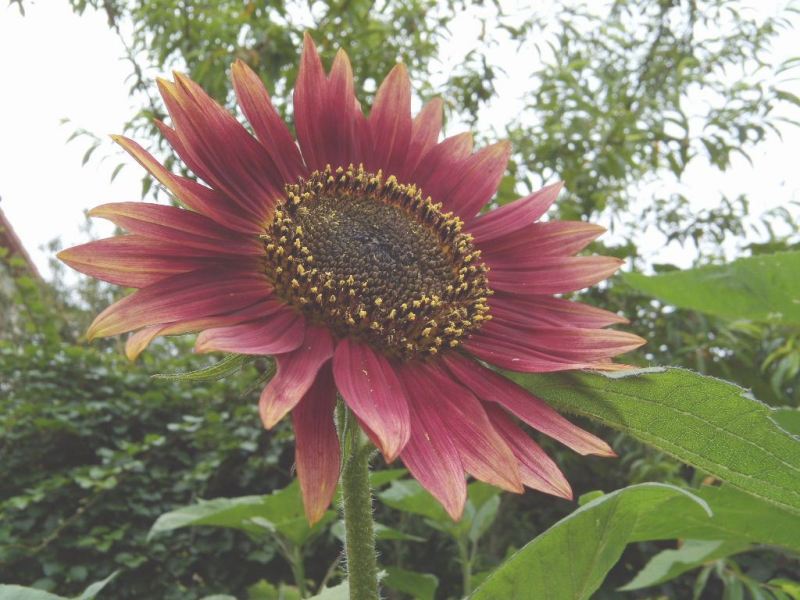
<point x="359" y="257"/>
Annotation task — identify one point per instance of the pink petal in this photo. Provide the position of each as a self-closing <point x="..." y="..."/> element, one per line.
<point x="279" y="332"/>
<point x="570" y="344"/>
<point x="493" y="387"/>
<point x="229" y="158"/>
<point x="471" y="185"/>
<point x="317" y="446"/>
<point x="506" y="219"/>
<point x="172" y="224"/>
<point x="137" y="261"/>
<point x="433" y="460"/>
<point x="483" y="452"/>
<point x="186" y="296"/>
<point x="425" y="131"/>
<point x="444" y="157"/>
<point x="204" y="200"/>
<point x="538" y="471"/>
<point x="309" y="103"/>
<point x="338" y="120"/>
<point x="326" y="110"/>
<point x="369" y="385"/>
<point x="517" y="357"/>
<point x="551" y="274"/>
<point x="554" y="238"/>
<point x="267" y="123"/>
<point x="139" y="341"/>
<point x="294" y="376"/>
<point x="534" y="311"/>
<point x="390" y="123"/>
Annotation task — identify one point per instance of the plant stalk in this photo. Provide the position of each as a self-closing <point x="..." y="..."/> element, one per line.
<point x="362" y="566"/>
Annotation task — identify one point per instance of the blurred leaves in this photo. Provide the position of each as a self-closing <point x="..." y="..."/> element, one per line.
<point x="758" y="288"/>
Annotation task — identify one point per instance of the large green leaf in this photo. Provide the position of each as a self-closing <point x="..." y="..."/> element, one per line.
<point x="570" y="560"/>
<point x="705" y="422"/>
<point x="755" y="288"/>
<point x="280" y="512"/>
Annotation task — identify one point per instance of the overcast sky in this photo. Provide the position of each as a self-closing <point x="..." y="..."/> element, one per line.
<point x="55" y="65"/>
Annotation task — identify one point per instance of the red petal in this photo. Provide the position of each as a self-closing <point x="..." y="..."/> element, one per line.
<point x="433" y="460"/>
<point x="538" y="471"/>
<point x="568" y="344"/>
<point x="471" y="186"/>
<point x="137" y="261"/>
<point x="516" y="357"/>
<point x="294" y="376"/>
<point x="506" y="219"/>
<point x="493" y="387"/>
<point x="181" y="297"/>
<point x="369" y="385"/>
<point x="483" y="452"/>
<point x="390" y="123"/>
<point x="326" y="110"/>
<point x="309" y="103"/>
<point x="554" y="238"/>
<point x="138" y="341"/>
<point x="177" y="225"/>
<point x="198" y="197"/>
<point x="267" y="123"/>
<point x="317" y="446"/>
<point x="425" y="131"/>
<point x="551" y="274"/>
<point x="444" y="157"/>
<point x="534" y="311"/>
<point x="230" y="159"/>
<point x="279" y="332"/>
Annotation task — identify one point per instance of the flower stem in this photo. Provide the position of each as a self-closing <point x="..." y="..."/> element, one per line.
<point x="362" y="567"/>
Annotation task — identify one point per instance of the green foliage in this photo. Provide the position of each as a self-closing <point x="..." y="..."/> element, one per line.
<point x="117" y="449"/>
<point x="710" y="424"/>
<point x="756" y="288"/>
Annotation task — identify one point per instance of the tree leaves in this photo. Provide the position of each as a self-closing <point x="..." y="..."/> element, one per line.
<point x="710" y="424"/>
<point x="756" y="288"/>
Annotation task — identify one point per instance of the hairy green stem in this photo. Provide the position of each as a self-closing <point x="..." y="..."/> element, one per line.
<point x="362" y="566"/>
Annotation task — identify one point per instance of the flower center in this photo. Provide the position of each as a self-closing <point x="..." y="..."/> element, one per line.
<point x="372" y="259"/>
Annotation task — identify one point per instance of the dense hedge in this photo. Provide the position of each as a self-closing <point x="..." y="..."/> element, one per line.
<point x="93" y="450"/>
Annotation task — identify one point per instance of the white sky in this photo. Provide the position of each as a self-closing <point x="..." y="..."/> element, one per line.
<point x="56" y="65"/>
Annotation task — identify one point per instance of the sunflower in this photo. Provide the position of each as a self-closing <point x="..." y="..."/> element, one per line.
<point x="359" y="257"/>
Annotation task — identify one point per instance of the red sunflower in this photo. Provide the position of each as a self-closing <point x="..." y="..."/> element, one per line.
<point x="358" y="258"/>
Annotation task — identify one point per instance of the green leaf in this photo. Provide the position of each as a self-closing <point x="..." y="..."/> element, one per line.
<point x="382" y="532"/>
<point x="705" y="422"/>
<point x="570" y="560"/>
<point x="92" y="591"/>
<point x="280" y="512"/>
<point x="337" y="592"/>
<point x="668" y="564"/>
<point x="18" y="592"/>
<point x="756" y="288"/>
<point x="228" y="365"/>
<point x="421" y="586"/>
<point x="479" y="513"/>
